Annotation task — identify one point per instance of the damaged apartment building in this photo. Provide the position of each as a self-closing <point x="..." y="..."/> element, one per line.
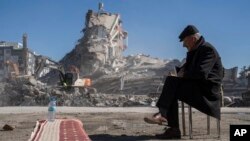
<point x="104" y="41"/>
<point x="233" y="85"/>
<point x="17" y="60"/>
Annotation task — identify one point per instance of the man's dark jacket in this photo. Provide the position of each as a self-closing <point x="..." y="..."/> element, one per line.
<point x="204" y="70"/>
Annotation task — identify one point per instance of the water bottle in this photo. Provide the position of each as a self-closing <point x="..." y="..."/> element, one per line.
<point x="52" y="109"/>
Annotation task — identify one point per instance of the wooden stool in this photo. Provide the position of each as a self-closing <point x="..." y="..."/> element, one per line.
<point x="190" y="122"/>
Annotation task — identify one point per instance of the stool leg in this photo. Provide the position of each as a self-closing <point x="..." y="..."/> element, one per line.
<point x="218" y="128"/>
<point x="183" y="119"/>
<point x="190" y="122"/>
<point x="208" y="125"/>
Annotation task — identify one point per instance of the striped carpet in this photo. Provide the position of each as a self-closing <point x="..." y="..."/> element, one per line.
<point x="59" y="130"/>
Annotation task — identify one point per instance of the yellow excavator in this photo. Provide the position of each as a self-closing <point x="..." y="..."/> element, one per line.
<point x="13" y="70"/>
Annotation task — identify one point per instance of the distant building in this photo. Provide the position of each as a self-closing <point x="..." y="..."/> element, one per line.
<point x="16" y="58"/>
<point x="233" y="85"/>
<point x="230" y="75"/>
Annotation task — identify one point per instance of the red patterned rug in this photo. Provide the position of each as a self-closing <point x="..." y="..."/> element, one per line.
<point x="59" y="130"/>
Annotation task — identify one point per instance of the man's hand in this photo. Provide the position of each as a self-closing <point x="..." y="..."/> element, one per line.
<point x="180" y="72"/>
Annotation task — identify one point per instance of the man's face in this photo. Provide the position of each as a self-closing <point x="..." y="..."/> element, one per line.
<point x="188" y="42"/>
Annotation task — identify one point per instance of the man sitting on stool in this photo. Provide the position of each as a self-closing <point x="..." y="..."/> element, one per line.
<point x="198" y="84"/>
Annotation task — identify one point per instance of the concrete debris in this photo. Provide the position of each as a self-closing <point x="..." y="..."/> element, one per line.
<point x="119" y="124"/>
<point x="24" y="94"/>
<point x="7" y="127"/>
<point x="138" y="74"/>
<point x="236" y="89"/>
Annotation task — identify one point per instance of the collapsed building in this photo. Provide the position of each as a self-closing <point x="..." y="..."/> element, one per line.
<point x="104" y="41"/>
<point x="233" y="85"/>
<point x="236" y="89"/>
<point x="99" y="55"/>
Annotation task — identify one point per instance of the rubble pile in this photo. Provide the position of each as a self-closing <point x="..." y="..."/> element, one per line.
<point x="236" y="89"/>
<point x="139" y="74"/>
<point x="35" y="93"/>
<point x="23" y="93"/>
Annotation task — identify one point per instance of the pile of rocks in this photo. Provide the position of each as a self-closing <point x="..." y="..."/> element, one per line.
<point x="139" y="75"/>
<point x="35" y="93"/>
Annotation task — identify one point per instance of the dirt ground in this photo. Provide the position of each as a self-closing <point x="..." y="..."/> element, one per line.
<point x="119" y="126"/>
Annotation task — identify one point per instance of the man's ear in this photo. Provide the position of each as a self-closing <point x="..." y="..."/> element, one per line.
<point x="193" y="39"/>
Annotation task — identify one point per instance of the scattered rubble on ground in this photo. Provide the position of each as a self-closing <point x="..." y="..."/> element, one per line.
<point x="26" y="94"/>
<point x="7" y="127"/>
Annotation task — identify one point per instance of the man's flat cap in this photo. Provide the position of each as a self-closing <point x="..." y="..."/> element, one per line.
<point x="189" y="30"/>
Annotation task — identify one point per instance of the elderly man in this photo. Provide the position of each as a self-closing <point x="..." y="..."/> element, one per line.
<point x="198" y="84"/>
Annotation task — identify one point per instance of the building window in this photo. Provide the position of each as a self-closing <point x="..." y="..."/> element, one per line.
<point x="15" y="58"/>
<point x="7" y="51"/>
<point x="1" y="65"/>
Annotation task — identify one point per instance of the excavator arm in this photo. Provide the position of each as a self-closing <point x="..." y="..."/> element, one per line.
<point x="12" y="68"/>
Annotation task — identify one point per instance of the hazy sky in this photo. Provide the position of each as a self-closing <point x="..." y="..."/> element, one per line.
<point x="53" y="26"/>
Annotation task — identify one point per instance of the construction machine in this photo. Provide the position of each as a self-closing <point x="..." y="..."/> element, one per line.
<point x="13" y="73"/>
<point x="68" y="79"/>
<point x="12" y="68"/>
